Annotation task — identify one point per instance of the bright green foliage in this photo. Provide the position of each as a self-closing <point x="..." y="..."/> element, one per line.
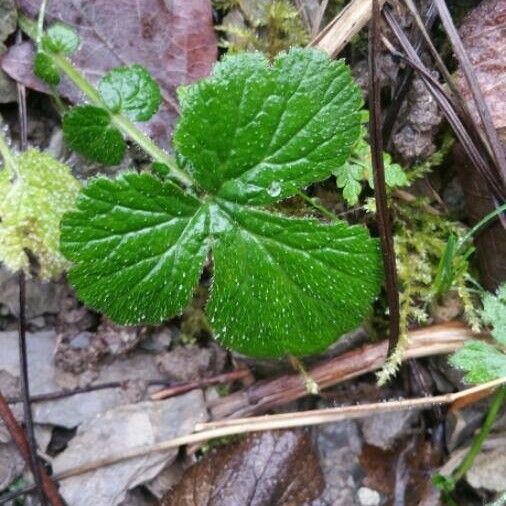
<point x="494" y="313"/>
<point x="45" y="69"/>
<point x="358" y="168"/>
<point x="267" y="26"/>
<point x="482" y="361"/>
<point x="256" y="134"/>
<point x="252" y="135"/>
<point x="132" y="91"/>
<point x="60" y="38"/>
<point x="33" y="199"/>
<point x="88" y="130"/>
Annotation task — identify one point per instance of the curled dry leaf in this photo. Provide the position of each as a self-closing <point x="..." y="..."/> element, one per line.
<point x="482" y="33"/>
<point x="265" y="468"/>
<point x="174" y="40"/>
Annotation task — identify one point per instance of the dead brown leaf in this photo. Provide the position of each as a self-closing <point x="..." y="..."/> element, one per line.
<point x="173" y="39"/>
<point x="483" y="35"/>
<point x="266" y="468"/>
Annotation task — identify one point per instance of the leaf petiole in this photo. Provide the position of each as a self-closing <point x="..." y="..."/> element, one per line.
<point x="126" y="126"/>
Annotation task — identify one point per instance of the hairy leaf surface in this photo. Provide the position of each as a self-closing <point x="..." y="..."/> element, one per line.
<point x="256" y="134"/>
<point x="132" y="91"/>
<point x="32" y="204"/>
<point x="138" y="244"/>
<point x="280" y="285"/>
<point x="88" y="130"/>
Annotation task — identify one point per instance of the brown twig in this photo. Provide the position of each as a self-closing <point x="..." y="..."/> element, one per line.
<point x="25" y="384"/>
<point x="282" y="421"/>
<point x="21" y="442"/>
<point x="205" y="382"/>
<point x="263" y="396"/>
<point x="380" y="192"/>
<point x="344" y="27"/>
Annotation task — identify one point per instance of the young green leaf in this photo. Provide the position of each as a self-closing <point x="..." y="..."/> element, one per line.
<point x="88" y="130"/>
<point x="349" y="178"/>
<point x="359" y="168"/>
<point x="138" y="244"/>
<point x="481" y="361"/>
<point x="60" y="38"/>
<point x="494" y="313"/>
<point x="45" y="69"/>
<point x="132" y="91"/>
<point x="281" y="285"/>
<point x="257" y="133"/>
<point x="32" y="203"/>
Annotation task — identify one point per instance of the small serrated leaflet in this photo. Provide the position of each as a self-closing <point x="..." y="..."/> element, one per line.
<point x="45" y="69"/>
<point x="89" y="131"/>
<point x="132" y="91"/>
<point x="60" y="38"/>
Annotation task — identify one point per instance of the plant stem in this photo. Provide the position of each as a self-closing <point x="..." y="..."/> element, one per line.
<point x="312" y="202"/>
<point x="492" y="413"/>
<point x="40" y="22"/>
<point x="121" y="122"/>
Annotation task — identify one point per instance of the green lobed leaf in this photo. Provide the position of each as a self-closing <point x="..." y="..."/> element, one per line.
<point x="32" y="204"/>
<point x="481" y="361"/>
<point x="60" y="38"/>
<point x="88" y="130"/>
<point x="130" y="90"/>
<point x="256" y="133"/>
<point x="45" y="69"/>
<point x="494" y="313"/>
<point x="358" y="168"/>
<point x="288" y="286"/>
<point x="280" y="285"/>
<point x="138" y="245"/>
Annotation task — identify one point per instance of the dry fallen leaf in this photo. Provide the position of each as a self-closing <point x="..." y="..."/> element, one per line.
<point x="482" y="34"/>
<point x="174" y="40"/>
<point x="265" y="468"/>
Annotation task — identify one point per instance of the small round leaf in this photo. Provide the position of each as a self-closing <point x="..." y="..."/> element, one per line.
<point x="45" y="69"/>
<point x="88" y="130"/>
<point x="60" y="38"/>
<point x="132" y="91"/>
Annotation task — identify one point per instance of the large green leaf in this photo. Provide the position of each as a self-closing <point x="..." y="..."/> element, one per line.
<point x="285" y="285"/>
<point x="280" y="285"/>
<point x="138" y="245"/>
<point x="257" y="133"/>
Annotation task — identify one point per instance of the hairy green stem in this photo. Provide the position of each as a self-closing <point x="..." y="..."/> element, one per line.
<point x="312" y="202"/>
<point x="478" y="441"/>
<point x="126" y="126"/>
<point x="40" y="22"/>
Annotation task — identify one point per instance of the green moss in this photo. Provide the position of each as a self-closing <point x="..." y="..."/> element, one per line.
<point x="268" y="26"/>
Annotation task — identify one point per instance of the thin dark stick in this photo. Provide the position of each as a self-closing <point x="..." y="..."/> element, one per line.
<point x="468" y="71"/>
<point x="21" y="442"/>
<point x="405" y="82"/>
<point x="177" y="387"/>
<point x="25" y="386"/>
<point x="384" y="226"/>
<point x="25" y="389"/>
